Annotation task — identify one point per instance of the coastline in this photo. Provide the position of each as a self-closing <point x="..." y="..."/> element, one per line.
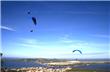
<point x="59" y="67"/>
<point x="77" y="62"/>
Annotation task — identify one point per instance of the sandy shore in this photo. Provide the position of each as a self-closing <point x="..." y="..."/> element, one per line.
<point x="75" y="62"/>
<point x="63" y="63"/>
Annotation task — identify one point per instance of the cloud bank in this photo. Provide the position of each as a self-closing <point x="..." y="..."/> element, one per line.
<point x="7" y="28"/>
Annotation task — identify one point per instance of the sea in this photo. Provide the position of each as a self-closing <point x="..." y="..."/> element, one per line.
<point x="15" y="64"/>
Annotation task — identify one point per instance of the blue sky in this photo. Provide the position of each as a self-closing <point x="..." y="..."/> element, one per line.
<point x="61" y="28"/>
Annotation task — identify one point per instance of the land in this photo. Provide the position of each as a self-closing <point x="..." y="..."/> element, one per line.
<point x="65" y="65"/>
<point x="85" y="70"/>
<point x="42" y="69"/>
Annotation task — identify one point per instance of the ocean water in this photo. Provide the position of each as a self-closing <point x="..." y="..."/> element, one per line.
<point x="94" y="66"/>
<point x="10" y="64"/>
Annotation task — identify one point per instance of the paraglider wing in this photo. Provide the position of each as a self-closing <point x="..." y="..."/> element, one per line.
<point x="31" y="30"/>
<point x="29" y="12"/>
<point x="34" y="20"/>
<point x="78" y="51"/>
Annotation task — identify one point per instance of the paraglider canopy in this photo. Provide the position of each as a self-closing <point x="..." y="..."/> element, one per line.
<point x="29" y="12"/>
<point x="78" y="51"/>
<point x="34" y="20"/>
<point x="31" y="30"/>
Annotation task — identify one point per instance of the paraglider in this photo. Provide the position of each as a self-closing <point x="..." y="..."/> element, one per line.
<point x="29" y="12"/>
<point x="31" y="30"/>
<point x="33" y="20"/>
<point x="78" y="51"/>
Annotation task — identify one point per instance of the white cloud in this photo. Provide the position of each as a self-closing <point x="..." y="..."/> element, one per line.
<point x="101" y="35"/>
<point x="95" y="53"/>
<point x="29" y="41"/>
<point x="66" y="39"/>
<point x="66" y="36"/>
<point x="30" y="45"/>
<point x="83" y="53"/>
<point x="7" y="28"/>
<point x="76" y="46"/>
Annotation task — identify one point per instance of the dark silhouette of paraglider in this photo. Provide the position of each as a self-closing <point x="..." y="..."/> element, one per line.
<point x="34" y="20"/>
<point x="78" y="51"/>
<point x="31" y="30"/>
<point x="29" y="12"/>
